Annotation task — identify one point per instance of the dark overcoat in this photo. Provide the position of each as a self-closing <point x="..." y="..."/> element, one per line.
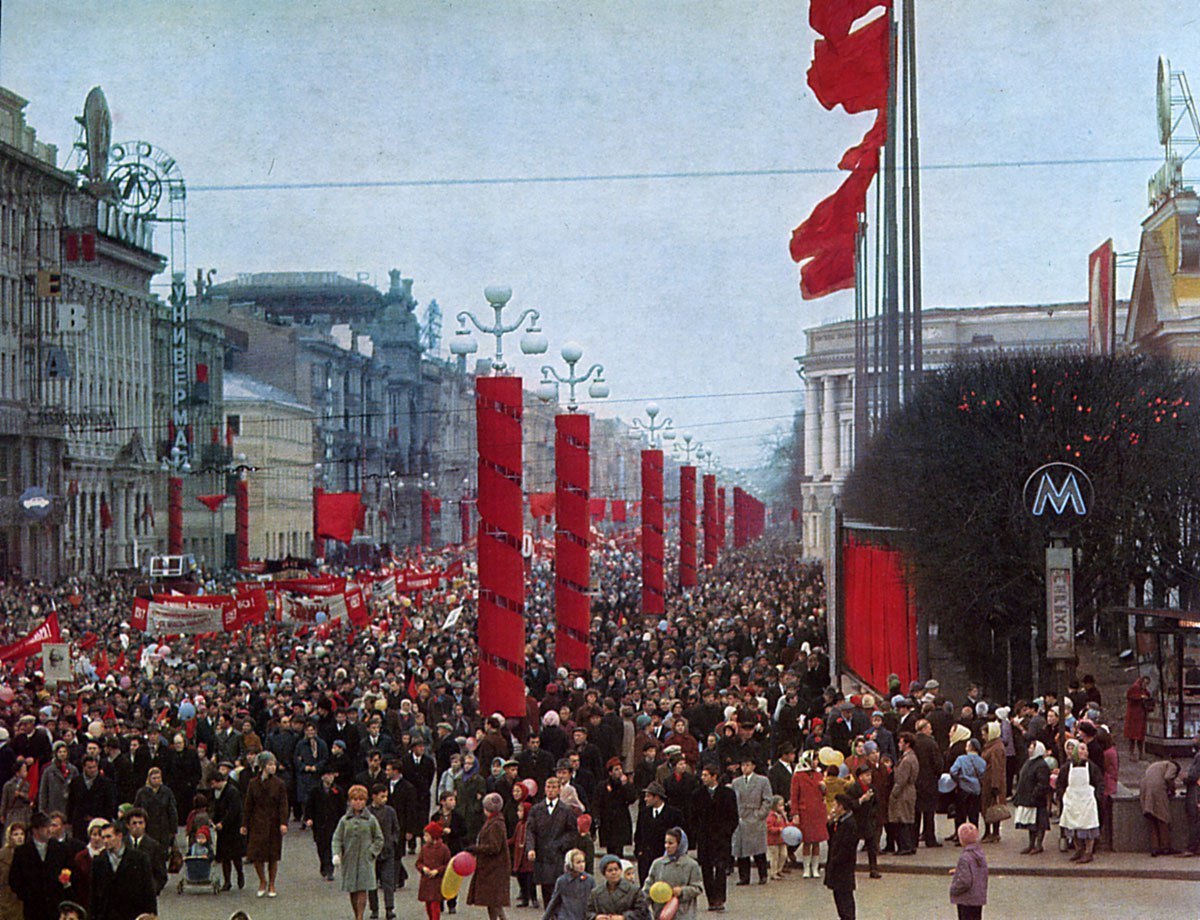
<point x="490" y="881"/>
<point x="265" y="809"/>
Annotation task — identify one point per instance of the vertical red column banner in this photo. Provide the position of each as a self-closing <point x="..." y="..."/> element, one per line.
<point x="175" y="516"/>
<point x="709" y="513"/>
<point x="739" y="518"/>
<point x="242" y="522"/>
<point x="426" y="518"/>
<point x="501" y="624"/>
<point x="318" y="540"/>
<point x="721" y="518"/>
<point x="464" y="513"/>
<point x="572" y="563"/>
<point x="687" y="526"/>
<point x="652" y="533"/>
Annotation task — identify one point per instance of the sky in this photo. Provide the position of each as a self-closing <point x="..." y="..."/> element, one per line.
<point x="679" y="284"/>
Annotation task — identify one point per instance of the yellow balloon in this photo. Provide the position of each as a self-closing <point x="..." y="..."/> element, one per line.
<point x="660" y="892"/>
<point x="826" y="756"/>
<point x="451" y="882"/>
<point x="837" y="759"/>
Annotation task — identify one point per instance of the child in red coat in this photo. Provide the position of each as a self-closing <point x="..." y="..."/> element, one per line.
<point x="522" y="868"/>
<point x="431" y="866"/>
<point x="777" y="820"/>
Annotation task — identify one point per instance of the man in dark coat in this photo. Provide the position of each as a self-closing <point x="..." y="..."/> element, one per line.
<point x="226" y="814"/>
<point x="90" y="795"/>
<point x="403" y="799"/>
<point x="549" y="834"/>
<point x="929" y="762"/>
<point x="613" y="799"/>
<point x="153" y="850"/>
<point x="325" y="806"/>
<point x="714" y="820"/>
<point x="535" y="763"/>
<point x="843" y="851"/>
<point x="122" y="885"/>
<point x="35" y="868"/>
<point x="419" y="768"/>
<point x="655" y="818"/>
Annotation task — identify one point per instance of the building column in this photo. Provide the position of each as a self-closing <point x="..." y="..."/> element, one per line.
<point x="829" y="428"/>
<point x="812" y="430"/>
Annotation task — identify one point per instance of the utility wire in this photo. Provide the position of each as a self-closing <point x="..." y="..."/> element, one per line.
<point x="644" y="176"/>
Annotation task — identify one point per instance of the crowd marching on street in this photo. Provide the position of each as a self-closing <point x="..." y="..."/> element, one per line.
<point x="702" y="751"/>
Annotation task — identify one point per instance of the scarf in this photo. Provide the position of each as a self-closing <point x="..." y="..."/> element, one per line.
<point x="680" y="850"/>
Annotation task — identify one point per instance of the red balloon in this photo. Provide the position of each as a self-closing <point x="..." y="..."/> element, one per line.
<point x="6" y="695"/>
<point x="668" y="911"/>
<point x="463" y="863"/>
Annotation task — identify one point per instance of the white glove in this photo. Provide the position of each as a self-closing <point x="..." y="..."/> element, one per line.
<point x="337" y="859"/>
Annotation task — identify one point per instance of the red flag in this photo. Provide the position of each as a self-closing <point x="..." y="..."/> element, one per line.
<point x="212" y="502"/>
<point x="828" y="272"/>
<point x="833" y="18"/>
<point x="149" y="512"/>
<point x="405" y="626"/>
<point x="339" y="514"/>
<point x="853" y="71"/>
<point x="47" y="631"/>
<point x="412" y="687"/>
<point x="541" y="504"/>
<point x="597" y="507"/>
<point x="119" y="665"/>
<point x="618" y="511"/>
<point x="866" y="152"/>
<point x="102" y="665"/>
<point x="106" y="518"/>
<point x="78" y="712"/>
<point x="89" y="639"/>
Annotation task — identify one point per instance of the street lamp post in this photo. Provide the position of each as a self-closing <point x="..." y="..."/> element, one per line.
<point x="499" y="403"/>
<point x="687" y="513"/>
<point x="653" y="586"/>
<point x="572" y="495"/>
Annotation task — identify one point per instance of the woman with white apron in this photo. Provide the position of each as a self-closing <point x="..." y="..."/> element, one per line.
<point x="1080" y="809"/>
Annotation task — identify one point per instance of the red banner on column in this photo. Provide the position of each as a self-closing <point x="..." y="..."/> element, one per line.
<point x="739" y="518"/>
<point x="720" y="519"/>
<point x="710" y="520"/>
<point x="242" y="522"/>
<point x="464" y="512"/>
<point x="426" y="518"/>
<point x="175" y="516"/>
<point x="652" y="533"/>
<point x="501" y="625"/>
<point x="572" y="568"/>
<point x="318" y="540"/>
<point x="687" y="526"/>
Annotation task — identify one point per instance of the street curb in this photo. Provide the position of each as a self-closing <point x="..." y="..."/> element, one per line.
<point x="1166" y="875"/>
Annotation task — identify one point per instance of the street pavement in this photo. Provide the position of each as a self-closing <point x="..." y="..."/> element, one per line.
<point x="920" y="892"/>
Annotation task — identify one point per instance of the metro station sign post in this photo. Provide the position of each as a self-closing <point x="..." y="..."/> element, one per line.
<point x="1059" y="494"/>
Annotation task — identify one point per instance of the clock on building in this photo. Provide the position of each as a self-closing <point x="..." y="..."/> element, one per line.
<point x="141" y="175"/>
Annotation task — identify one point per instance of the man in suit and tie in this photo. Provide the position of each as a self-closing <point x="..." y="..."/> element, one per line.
<point x="655" y="818"/>
<point x="549" y="833"/>
<point x="714" y="819"/>
<point x="156" y="852"/>
<point x="122" y="886"/>
<point x="35" y="869"/>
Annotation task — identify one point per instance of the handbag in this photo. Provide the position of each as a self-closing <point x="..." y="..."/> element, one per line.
<point x="174" y="860"/>
<point x="997" y="813"/>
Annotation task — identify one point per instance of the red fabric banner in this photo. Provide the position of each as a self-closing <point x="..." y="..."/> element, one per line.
<point x="572" y="568"/>
<point x="464" y="522"/>
<point x="852" y="71"/>
<point x="620" y="513"/>
<point x="106" y="518"/>
<point x="541" y="504"/>
<point x="598" y="507"/>
<point x="499" y="402"/>
<point x="710" y="520"/>
<point x="720" y="519"/>
<point x="46" y="631"/>
<point x="653" y="587"/>
<point x="687" y="526"/>
<point x="880" y="615"/>
<point x="212" y="502"/>
<point x="242" y="522"/>
<point x="339" y="514"/>
<point x="252" y="603"/>
<point x="833" y="18"/>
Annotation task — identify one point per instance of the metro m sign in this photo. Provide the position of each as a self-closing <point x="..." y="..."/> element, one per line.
<point x="1057" y="491"/>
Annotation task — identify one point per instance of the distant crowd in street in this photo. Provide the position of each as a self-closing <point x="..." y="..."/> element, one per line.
<point x="699" y="748"/>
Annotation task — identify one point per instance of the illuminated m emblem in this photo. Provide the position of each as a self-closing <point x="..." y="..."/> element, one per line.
<point x="1059" y="497"/>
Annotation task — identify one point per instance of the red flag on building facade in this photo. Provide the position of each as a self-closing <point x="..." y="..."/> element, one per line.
<point x="339" y="514"/>
<point x="106" y="518"/>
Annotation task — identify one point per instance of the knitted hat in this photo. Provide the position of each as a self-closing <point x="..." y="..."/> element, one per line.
<point x="968" y="834"/>
<point x="608" y="861"/>
<point x="434" y="830"/>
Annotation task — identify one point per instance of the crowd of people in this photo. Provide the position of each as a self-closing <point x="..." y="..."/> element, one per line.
<point x="702" y="748"/>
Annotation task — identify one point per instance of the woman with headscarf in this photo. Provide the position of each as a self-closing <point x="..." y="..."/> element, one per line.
<point x="679" y="871"/>
<point x="1032" y="798"/>
<point x="470" y="788"/>
<point x="1079" y="800"/>
<point x="490" y="881"/>
<point x="357" y="843"/>
<point x="994" y="780"/>
<point x="11" y="907"/>
<point x="1158" y="785"/>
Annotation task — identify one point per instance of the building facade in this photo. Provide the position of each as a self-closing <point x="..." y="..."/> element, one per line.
<point x="829" y="377"/>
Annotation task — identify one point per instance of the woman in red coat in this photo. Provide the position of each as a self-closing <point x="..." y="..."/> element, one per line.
<point x="431" y="866"/>
<point x="808" y="811"/>
<point x="1138" y="703"/>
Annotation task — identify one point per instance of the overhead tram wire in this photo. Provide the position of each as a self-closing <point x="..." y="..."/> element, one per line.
<point x="645" y="176"/>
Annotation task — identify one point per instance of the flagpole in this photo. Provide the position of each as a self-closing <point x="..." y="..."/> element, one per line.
<point x="891" y="279"/>
<point x="914" y="170"/>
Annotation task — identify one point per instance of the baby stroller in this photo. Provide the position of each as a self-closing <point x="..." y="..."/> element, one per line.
<point x="198" y="863"/>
